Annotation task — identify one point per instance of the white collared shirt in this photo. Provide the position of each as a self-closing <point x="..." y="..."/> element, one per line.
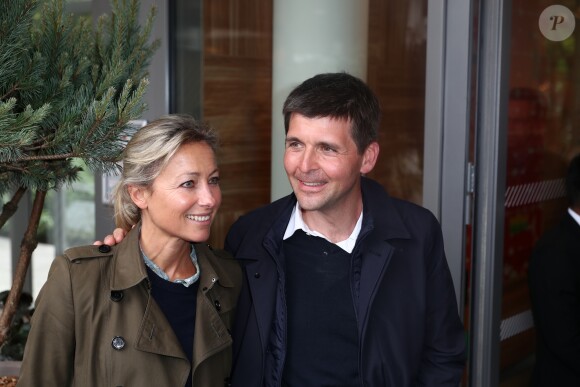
<point x="574" y="215"/>
<point x="297" y="223"/>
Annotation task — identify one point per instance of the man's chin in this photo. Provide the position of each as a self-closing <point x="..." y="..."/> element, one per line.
<point x="308" y="204"/>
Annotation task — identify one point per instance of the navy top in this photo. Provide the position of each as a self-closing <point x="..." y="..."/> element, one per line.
<point x="178" y="303"/>
<point x="322" y="329"/>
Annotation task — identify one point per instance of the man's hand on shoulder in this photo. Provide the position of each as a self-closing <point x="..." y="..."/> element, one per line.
<point x="112" y="239"/>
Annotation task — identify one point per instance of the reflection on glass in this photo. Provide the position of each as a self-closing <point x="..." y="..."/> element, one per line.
<point x="542" y="137"/>
<point x="396" y="72"/>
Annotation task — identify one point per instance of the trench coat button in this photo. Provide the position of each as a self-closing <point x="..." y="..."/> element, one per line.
<point x="104" y="248"/>
<point x="116" y="295"/>
<point x="118" y="343"/>
<point x="218" y="306"/>
<point x="257" y="275"/>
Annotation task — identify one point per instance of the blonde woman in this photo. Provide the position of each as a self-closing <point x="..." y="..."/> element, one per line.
<point x="156" y="309"/>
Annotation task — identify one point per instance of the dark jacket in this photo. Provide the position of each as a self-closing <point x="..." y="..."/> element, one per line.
<point x="409" y="329"/>
<point x="554" y="279"/>
<point x="94" y="294"/>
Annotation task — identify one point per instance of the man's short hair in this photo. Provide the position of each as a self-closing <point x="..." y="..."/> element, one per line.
<point x="339" y="96"/>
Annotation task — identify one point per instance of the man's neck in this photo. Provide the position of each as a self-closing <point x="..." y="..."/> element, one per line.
<point x="336" y="227"/>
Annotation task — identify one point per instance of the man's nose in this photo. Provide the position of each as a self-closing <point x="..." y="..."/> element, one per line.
<point x="309" y="160"/>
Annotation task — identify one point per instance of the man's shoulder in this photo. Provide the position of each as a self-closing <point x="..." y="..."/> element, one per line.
<point x="254" y="225"/>
<point x="380" y="201"/>
<point x="563" y="235"/>
<point x="268" y="212"/>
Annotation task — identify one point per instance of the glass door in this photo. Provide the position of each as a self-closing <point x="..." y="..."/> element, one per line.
<point x="526" y="134"/>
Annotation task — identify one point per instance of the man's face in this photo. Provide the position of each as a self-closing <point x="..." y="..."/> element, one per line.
<point x="323" y="164"/>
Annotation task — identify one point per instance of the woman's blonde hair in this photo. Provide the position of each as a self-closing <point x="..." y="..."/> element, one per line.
<point x="148" y="152"/>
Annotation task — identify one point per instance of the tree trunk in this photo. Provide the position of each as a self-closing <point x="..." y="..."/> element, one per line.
<point x="10" y="208"/>
<point x="27" y="247"/>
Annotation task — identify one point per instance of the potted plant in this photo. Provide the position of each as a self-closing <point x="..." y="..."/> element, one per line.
<point x="13" y="349"/>
<point x="68" y="89"/>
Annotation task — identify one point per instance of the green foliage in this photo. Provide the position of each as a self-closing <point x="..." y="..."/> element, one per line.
<point x="68" y="87"/>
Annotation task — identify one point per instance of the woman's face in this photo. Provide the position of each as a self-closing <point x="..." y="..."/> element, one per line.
<point x="184" y="198"/>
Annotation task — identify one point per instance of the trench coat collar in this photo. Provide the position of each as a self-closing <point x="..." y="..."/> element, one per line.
<point x="130" y="268"/>
<point x="154" y="334"/>
<point x="212" y="273"/>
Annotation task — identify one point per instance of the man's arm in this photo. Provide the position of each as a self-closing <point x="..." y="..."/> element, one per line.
<point x="112" y="239"/>
<point x="444" y="353"/>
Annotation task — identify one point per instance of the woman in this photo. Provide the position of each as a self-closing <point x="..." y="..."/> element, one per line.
<point x="156" y="309"/>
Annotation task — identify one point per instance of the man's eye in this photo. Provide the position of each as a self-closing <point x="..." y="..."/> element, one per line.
<point x="327" y="148"/>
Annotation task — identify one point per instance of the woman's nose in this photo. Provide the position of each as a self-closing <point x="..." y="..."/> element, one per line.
<point x="208" y="196"/>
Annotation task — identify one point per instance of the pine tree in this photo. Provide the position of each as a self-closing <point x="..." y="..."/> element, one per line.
<point x="68" y="88"/>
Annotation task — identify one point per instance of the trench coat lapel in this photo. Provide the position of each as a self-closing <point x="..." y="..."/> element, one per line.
<point x="211" y="334"/>
<point x="155" y="334"/>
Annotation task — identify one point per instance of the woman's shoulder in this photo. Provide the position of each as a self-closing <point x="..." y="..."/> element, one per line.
<point x="79" y="253"/>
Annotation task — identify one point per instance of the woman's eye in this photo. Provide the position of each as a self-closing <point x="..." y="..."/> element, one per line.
<point x="188" y="184"/>
<point x="214" y="180"/>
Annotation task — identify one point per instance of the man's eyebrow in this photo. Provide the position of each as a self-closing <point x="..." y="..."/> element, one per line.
<point x="320" y="143"/>
<point x="291" y="139"/>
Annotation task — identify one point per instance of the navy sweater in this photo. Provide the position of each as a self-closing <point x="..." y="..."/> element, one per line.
<point x="322" y="330"/>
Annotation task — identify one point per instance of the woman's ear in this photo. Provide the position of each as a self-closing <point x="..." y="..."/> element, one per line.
<point x="138" y="195"/>
<point x="370" y="156"/>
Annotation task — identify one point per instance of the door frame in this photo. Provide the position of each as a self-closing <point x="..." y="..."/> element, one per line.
<point x="457" y="193"/>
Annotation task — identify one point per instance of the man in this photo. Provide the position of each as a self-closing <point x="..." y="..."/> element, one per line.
<point x="344" y="285"/>
<point x="554" y="280"/>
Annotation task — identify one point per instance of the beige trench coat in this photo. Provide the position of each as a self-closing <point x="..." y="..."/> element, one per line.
<point x="94" y="295"/>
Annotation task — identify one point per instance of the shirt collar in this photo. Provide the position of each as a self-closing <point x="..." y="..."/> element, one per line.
<point x="157" y="270"/>
<point x="574" y="215"/>
<point x="296" y="222"/>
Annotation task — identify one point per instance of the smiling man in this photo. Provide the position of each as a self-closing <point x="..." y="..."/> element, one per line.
<point x="345" y="285"/>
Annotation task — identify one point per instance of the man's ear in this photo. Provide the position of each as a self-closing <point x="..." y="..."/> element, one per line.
<point x="370" y="156"/>
<point x="139" y="195"/>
